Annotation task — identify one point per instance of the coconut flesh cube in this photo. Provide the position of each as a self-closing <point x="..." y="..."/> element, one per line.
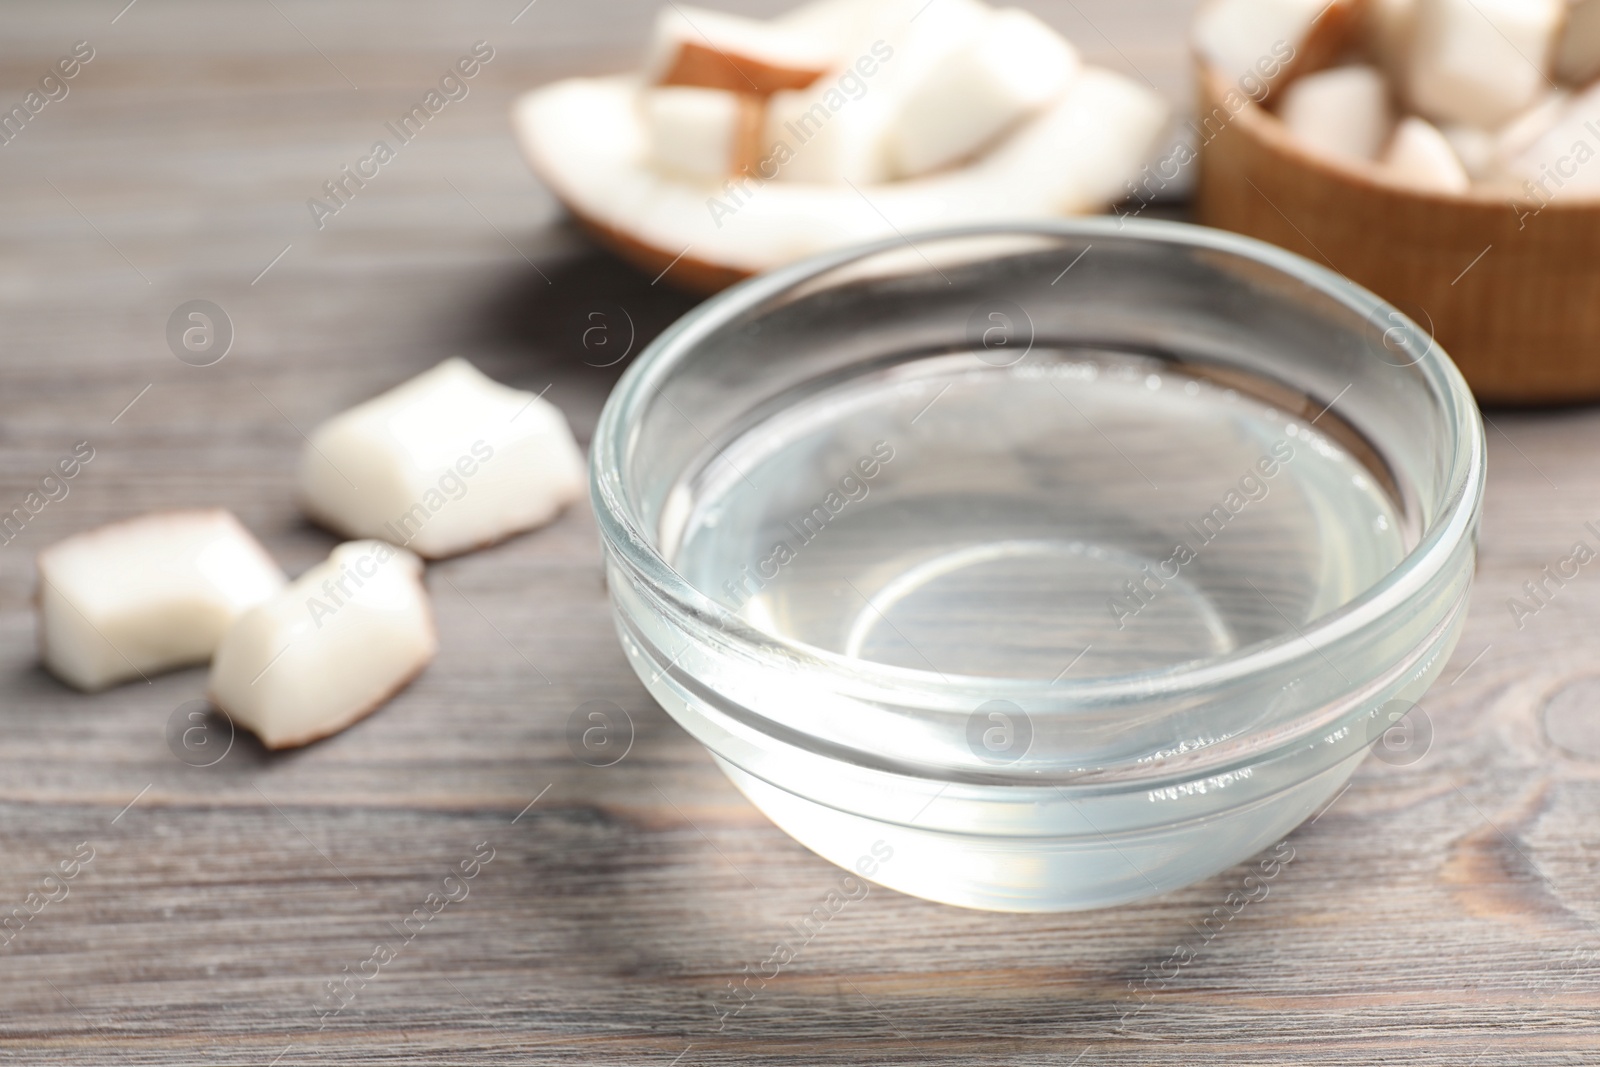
<point x="701" y="133"/>
<point x="332" y="647"/>
<point x="1013" y="68"/>
<point x="1480" y="61"/>
<point x="1565" y="160"/>
<point x="715" y="50"/>
<point x="840" y="128"/>
<point x="903" y="40"/>
<point x="1419" y="155"/>
<point x="1524" y="131"/>
<point x="1084" y="151"/>
<point x="1342" y="113"/>
<point x="1254" y="40"/>
<point x="444" y="463"/>
<point x="1578" y="51"/>
<point x="1473" y="147"/>
<point x="148" y="594"/>
<point x="840" y="25"/>
<point x="1067" y="159"/>
<point x="807" y="141"/>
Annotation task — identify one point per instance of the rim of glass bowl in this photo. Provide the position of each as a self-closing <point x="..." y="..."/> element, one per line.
<point x="1433" y="551"/>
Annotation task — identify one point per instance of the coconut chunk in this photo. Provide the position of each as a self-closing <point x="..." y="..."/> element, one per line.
<point x="1565" y="159"/>
<point x="1072" y="158"/>
<point x="1475" y="148"/>
<point x="343" y="638"/>
<point x="444" y="463"/>
<point x="807" y="141"/>
<point x="147" y="594"/>
<point x="1343" y="113"/>
<point x="1082" y="153"/>
<point x="1481" y="61"/>
<point x="716" y="50"/>
<point x="842" y="25"/>
<point x="1335" y="36"/>
<point x="1254" y="41"/>
<point x="1578" y="51"/>
<point x="702" y="133"/>
<point x="839" y="129"/>
<point x="1012" y="69"/>
<point x="1524" y="131"/>
<point x="1419" y="155"/>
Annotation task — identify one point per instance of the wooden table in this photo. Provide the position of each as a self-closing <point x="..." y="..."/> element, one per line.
<point x="1441" y="912"/>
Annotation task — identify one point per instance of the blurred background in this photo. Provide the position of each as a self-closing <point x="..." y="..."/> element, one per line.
<point x="1441" y="913"/>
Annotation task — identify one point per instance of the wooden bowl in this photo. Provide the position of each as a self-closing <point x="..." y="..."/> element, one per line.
<point x="1510" y="291"/>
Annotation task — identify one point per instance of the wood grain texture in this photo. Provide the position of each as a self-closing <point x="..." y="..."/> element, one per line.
<point x="1439" y="913"/>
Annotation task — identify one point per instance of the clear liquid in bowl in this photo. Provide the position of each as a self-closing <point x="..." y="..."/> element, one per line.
<point x="1085" y="512"/>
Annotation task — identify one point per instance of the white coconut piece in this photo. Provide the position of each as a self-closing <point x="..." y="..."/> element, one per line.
<point x="1343" y="113"/>
<point x="1578" y="50"/>
<point x="1248" y="40"/>
<point x="1419" y="155"/>
<point x="343" y="638"/>
<point x="806" y="140"/>
<point x="1475" y="148"/>
<point x="1481" y="61"/>
<point x="444" y="463"/>
<point x="147" y="594"/>
<point x="841" y="25"/>
<point x="1012" y="69"/>
<point x="839" y="129"/>
<point x="1055" y="164"/>
<point x="702" y="133"/>
<point x="909" y="38"/>
<point x="1525" y="130"/>
<point x="1565" y="161"/>
<point x="1082" y="153"/>
<point x="716" y="50"/>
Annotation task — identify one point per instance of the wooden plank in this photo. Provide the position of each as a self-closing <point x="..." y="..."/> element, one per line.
<point x="1441" y="913"/>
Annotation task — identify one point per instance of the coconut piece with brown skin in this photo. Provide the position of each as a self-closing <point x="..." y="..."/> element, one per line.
<point x="147" y="594"/>
<point x="695" y="46"/>
<point x="702" y="133"/>
<point x="328" y="650"/>
<point x="1070" y="159"/>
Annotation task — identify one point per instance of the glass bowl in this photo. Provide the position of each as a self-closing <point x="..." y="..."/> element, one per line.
<point x="1046" y="566"/>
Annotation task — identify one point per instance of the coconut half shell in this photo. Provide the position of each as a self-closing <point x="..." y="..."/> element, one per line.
<point x="585" y="139"/>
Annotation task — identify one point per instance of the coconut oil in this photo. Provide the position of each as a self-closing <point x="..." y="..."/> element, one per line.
<point x="1072" y="561"/>
<point x="1083" y="512"/>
